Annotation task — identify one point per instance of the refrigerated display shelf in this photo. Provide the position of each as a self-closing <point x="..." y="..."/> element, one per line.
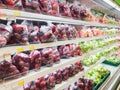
<point x="110" y="83"/>
<point x="102" y="81"/>
<point x="118" y="88"/>
<point x="13" y="49"/>
<point x="76" y="77"/>
<point x="17" y="84"/>
<point x="33" y="75"/>
<point x="40" y="17"/>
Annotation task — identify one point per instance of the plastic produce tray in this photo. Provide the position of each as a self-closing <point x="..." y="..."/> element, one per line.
<point x="111" y="63"/>
<point x="97" y="85"/>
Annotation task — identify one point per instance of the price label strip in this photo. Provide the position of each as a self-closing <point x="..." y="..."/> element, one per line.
<point x="20" y="49"/>
<point x="17" y="13"/>
<point x="21" y="83"/>
<point x="31" y="47"/>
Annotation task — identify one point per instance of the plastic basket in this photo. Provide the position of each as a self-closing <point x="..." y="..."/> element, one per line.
<point x="111" y="63"/>
<point x="97" y="85"/>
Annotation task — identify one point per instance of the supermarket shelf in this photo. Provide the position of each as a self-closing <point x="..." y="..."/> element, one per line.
<point x="10" y="85"/>
<point x="111" y="82"/>
<point x="64" y="84"/>
<point x="7" y="18"/>
<point x="13" y="49"/>
<point x="76" y="77"/>
<point x="118" y="88"/>
<point x="44" y="71"/>
<point x="40" y="17"/>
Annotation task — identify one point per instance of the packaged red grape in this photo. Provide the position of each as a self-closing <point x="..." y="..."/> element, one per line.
<point x="59" y="32"/>
<point x="81" y="84"/>
<point x="74" y="9"/>
<point x="84" y="12"/>
<point x="64" y="9"/>
<point x="5" y="34"/>
<point x="46" y="35"/>
<point x="33" y="35"/>
<point x="71" y="70"/>
<point x="20" y="33"/>
<point x="49" y="7"/>
<point x="56" y="55"/>
<point x="41" y="84"/>
<point x="44" y="5"/>
<point x="8" y="70"/>
<point x="4" y="66"/>
<point x="31" y="5"/>
<point x="13" y="4"/>
<point x="64" y="51"/>
<point x="68" y="31"/>
<point x="50" y="80"/>
<point x="78" y="67"/>
<point x="65" y="74"/>
<point x="22" y="62"/>
<point x="58" y="76"/>
<point x="35" y="59"/>
<point x="33" y="32"/>
<point x="47" y="57"/>
<point x="71" y="32"/>
<point x="78" y="29"/>
<point x="75" y="50"/>
<point x="64" y="32"/>
<point x="53" y="8"/>
<point x="74" y="32"/>
<point x="55" y="31"/>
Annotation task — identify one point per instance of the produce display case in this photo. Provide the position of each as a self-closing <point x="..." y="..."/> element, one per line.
<point x="37" y="37"/>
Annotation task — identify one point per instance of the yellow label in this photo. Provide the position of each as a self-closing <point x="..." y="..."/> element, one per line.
<point x="21" y="83"/>
<point x="7" y="56"/>
<point x="20" y="49"/>
<point x="17" y="13"/>
<point x="31" y="47"/>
